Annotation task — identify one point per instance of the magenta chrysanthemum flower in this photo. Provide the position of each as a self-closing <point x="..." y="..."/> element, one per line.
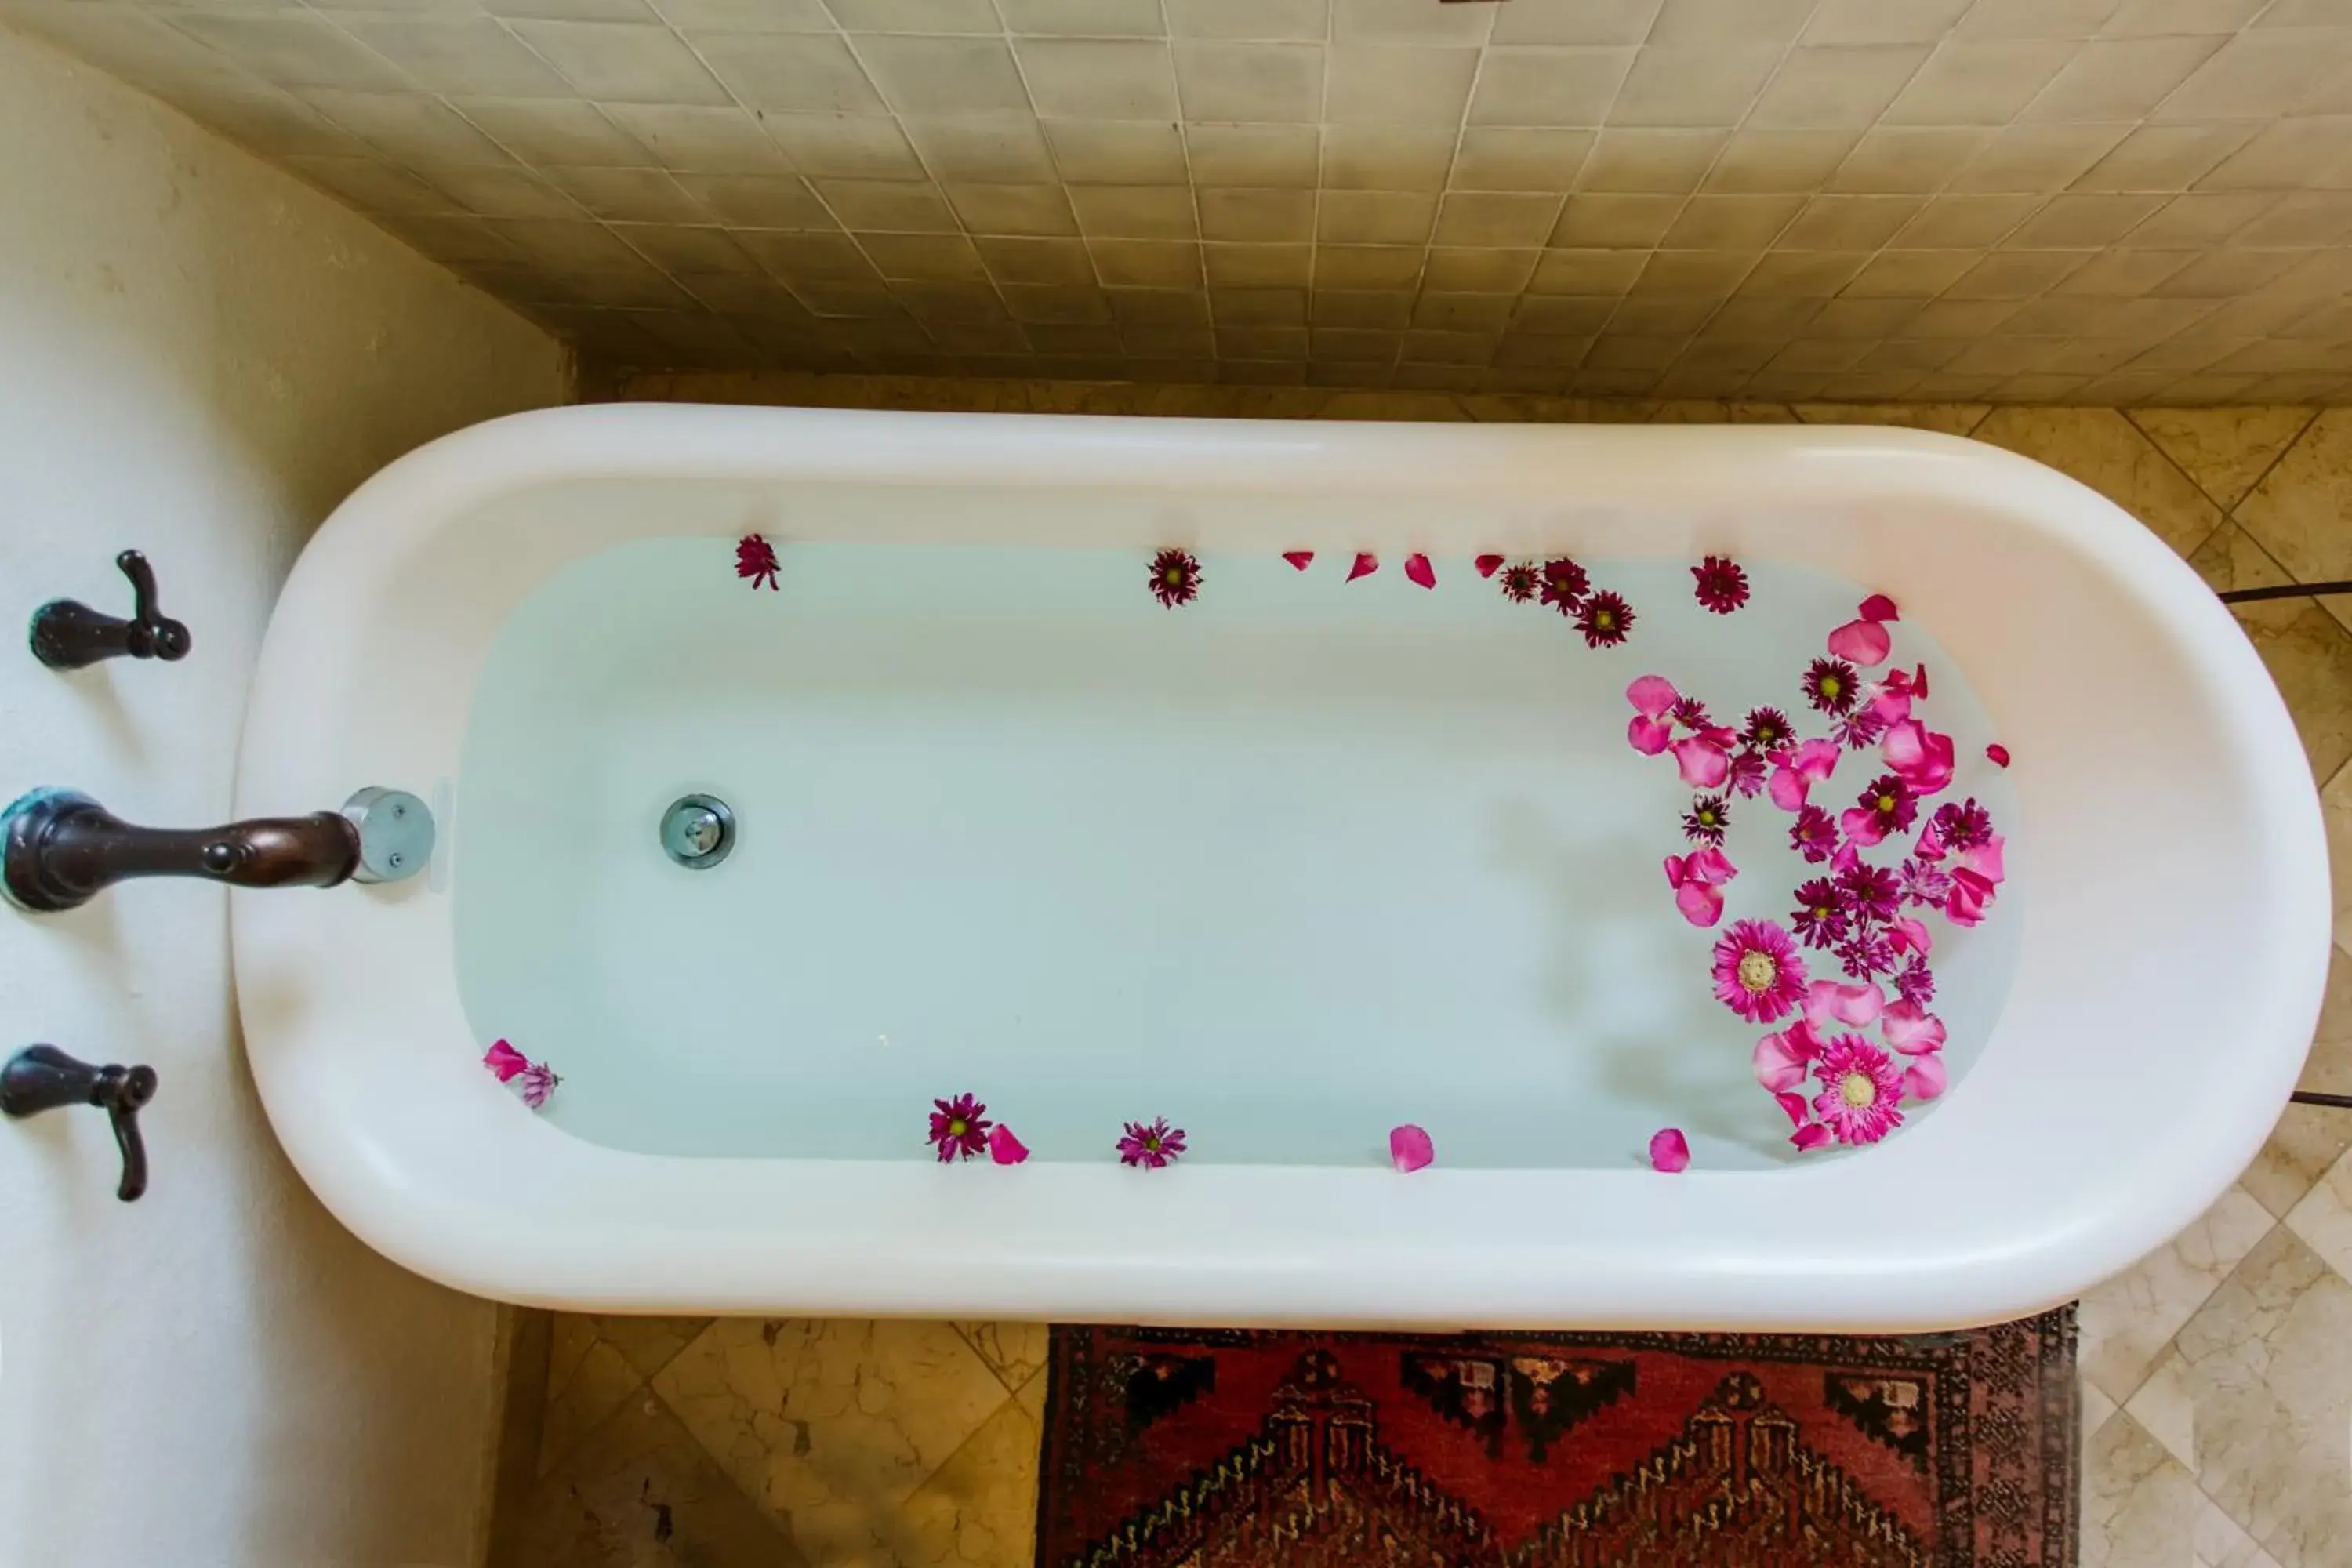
<point x="1857" y="729"/>
<point x="1520" y="581"/>
<point x="958" y="1128"/>
<point x="1963" y="826"/>
<point x="1925" y="885"/>
<point x="1747" y="773"/>
<point x="1175" y="577"/>
<point x="1819" y="918"/>
<point x="1872" y="892"/>
<point x="1564" y="584"/>
<point x="756" y="558"/>
<point x="1151" y="1146"/>
<point x="1917" y="983"/>
<point x="1832" y="686"/>
<point x="1862" y="1091"/>
<point x="1690" y="713"/>
<point x="1890" y="805"/>
<point x="1813" y="834"/>
<point x="1604" y="618"/>
<point x="1707" y="820"/>
<point x="1722" y="584"/>
<point x="1758" y="972"/>
<point x="1767" y="730"/>
<point x="1866" y="953"/>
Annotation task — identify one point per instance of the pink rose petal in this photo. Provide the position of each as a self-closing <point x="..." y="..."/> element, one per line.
<point x="1810" y="1136"/>
<point x="1410" y="1148"/>
<point x="1906" y="933"/>
<point x="1912" y="1029"/>
<point x="1878" y="608"/>
<point x="1918" y="756"/>
<point x="1700" y="903"/>
<point x="1830" y="1001"/>
<point x="1005" y="1149"/>
<point x="1417" y="569"/>
<point x="1710" y="866"/>
<point x="1919" y="681"/>
<point x="1705" y="764"/>
<point x="1924" y="1079"/>
<point x="1669" y="1150"/>
<point x="1652" y="695"/>
<point x="1986" y="860"/>
<point x="1301" y="559"/>
<point x="1997" y="755"/>
<point x="1649" y="736"/>
<point x="1816" y="760"/>
<point x="1865" y="643"/>
<point x="1366" y="565"/>
<point x="1489" y="564"/>
<point x="1793" y="1106"/>
<point x="504" y="1060"/>
<point x="1778" y="1063"/>
<point x="1861" y="827"/>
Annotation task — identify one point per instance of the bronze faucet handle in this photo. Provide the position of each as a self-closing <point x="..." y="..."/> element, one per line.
<point x="68" y="635"/>
<point x="43" y="1078"/>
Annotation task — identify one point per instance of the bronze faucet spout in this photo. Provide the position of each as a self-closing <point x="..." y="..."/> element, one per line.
<point x="61" y="850"/>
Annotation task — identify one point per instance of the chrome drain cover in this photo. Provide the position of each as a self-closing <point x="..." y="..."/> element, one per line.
<point x="696" y="831"/>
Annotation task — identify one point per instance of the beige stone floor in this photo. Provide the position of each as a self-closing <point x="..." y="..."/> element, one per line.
<point x="2217" y="1374"/>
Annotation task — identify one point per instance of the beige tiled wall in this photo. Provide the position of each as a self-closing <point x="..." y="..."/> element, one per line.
<point x="2005" y="200"/>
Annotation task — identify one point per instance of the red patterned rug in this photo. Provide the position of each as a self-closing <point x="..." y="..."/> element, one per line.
<point x="1189" y="1449"/>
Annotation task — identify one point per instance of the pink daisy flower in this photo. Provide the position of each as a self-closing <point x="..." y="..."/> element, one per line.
<point x="1862" y="1091"/>
<point x="959" y="1129"/>
<point x="1832" y="686"/>
<point x="1564" y="584"/>
<point x="1604" y="618"/>
<point x="1758" y="972"/>
<point x="1151" y="1146"/>
<point x="1722" y="584"/>
<point x="756" y="558"/>
<point x="1175" y="577"/>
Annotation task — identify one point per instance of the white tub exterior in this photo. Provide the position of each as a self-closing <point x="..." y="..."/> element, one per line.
<point x="2168" y="861"/>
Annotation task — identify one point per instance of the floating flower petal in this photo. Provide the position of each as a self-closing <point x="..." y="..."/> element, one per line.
<point x="1649" y="736"/>
<point x="1926" y="1078"/>
<point x="1910" y="1028"/>
<point x="1669" y="1150"/>
<point x="1997" y="755"/>
<point x="504" y="1060"/>
<point x="1151" y="1145"/>
<point x="1722" y="584"/>
<point x="1005" y="1149"/>
<point x="1878" y="608"/>
<point x="1299" y="560"/>
<point x="1488" y="566"/>
<point x="1418" y="570"/>
<point x="1827" y="1002"/>
<point x="1783" y="1059"/>
<point x="1410" y="1148"/>
<point x="1365" y="564"/>
<point x="1652" y="695"/>
<point x="1175" y="577"/>
<point x="1704" y="763"/>
<point x="1919" y="756"/>
<point x="958" y="1128"/>
<point x="1865" y="643"/>
<point x="1799" y="770"/>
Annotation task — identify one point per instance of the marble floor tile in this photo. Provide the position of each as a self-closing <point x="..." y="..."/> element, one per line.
<point x="1950" y="418"/>
<point x="2126" y="1322"/>
<point x="2307" y="651"/>
<point x="2107" y="452"/>
<point x="588" y="1376"/>
<point x="2324" y="1216"/>
<point x="2140" y="1507"/>
<point x="832" y="1424"/>
<point x="2267" y="1365"/>
<point x="2225" y="450"/>
<point x="639" y="1492"/>
<point x="2298" y="510"/>
<point x="1014" y="1351"/>
<point x="980" y="1509"/>
<point x="2309" y="1139"/>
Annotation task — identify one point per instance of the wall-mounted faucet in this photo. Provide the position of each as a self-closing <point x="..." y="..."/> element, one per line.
<point x="59" y="850"/>
<point x="68" y="634"/>
<point x="43" y="1078"/>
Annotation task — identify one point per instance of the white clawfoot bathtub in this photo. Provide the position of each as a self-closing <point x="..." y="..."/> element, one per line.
<point x="2169" y="895"/>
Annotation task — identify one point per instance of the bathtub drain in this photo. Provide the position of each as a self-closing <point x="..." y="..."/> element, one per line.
<point x="696" y="831"/>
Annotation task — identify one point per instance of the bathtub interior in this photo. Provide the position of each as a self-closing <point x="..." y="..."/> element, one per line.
<point x="2158" y="894"/>
<point x="1292" y="864"/>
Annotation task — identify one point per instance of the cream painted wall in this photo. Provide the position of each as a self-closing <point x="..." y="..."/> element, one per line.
<point x="199" y="356"/>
